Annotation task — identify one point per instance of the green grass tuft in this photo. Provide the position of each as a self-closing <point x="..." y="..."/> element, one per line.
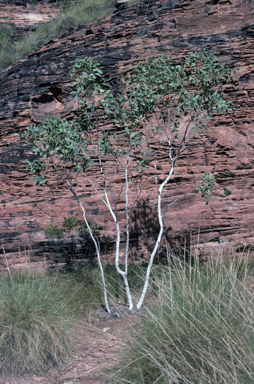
<point x="73" y="15"/>
<point x="35" y="324"/>
<point x="201" y="331"/>
<point x="82" y="289"/>
<point x="38" y="313"/>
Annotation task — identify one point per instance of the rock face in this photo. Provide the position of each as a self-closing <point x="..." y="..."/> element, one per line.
<point x="39" y="86"/>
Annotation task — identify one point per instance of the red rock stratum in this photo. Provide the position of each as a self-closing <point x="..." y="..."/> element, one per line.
<point x="39" y="86"/>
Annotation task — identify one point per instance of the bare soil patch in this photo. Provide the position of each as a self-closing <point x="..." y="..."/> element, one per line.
<point x="99" y="345"/>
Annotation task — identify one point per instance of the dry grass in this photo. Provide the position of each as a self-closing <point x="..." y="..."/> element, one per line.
<point x="200" y="331"/>
<point x="35" y="324"/>
<point x="39" y="314"/>
<point x="73" y="15"/>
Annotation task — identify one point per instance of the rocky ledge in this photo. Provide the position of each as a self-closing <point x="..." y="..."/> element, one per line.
<point x="23" y="17"/>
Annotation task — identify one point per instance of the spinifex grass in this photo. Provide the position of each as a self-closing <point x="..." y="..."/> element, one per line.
<point x="35" y="324"/>
<point x="38" y="313"/>
<point x="75" y="14"/>
<point x="115" y="285"/>
<point x="82" y="289"/>
<point x="201" y="331"/>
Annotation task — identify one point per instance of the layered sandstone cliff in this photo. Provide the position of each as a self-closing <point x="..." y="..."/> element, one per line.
<point x="39" y="86"/>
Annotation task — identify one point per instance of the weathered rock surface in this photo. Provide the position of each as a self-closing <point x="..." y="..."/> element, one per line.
<point x="24" y="17"/>
<point x="39" y="86"/>
<point x="29" y="15"/>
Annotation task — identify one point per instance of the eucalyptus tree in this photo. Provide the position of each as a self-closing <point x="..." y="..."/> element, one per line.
<point x="110" y="127"/>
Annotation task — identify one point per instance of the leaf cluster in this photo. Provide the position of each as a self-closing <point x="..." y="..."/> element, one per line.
<point x="171" y="90"/>
<point x="69" y="223"/>
<point x="59" y="141"/>
<point x="190" y="86"/>
<point x="207" y="187"/>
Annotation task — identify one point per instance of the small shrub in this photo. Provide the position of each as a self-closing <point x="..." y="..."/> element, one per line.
<point x="208" y="8"/>
<point x="201" y="331"/>
<point x="171" y="4"/>
<point x="70" y="240"/>
<point x="53" y="231"/>
<point x="227" y="191"/>
<point x="206" y="189"/>
<point x="35" y="324"/>
<point x="143" y="31"/>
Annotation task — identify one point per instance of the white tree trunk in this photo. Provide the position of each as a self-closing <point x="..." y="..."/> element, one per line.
<point x="99" y="260"/>
<point x="148" y="272"/>
<point x="97" y="251"/>
<point x="118" y="232"/>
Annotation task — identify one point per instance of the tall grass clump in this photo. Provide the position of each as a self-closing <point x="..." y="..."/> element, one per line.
<point x="35" y="324"/>
<point x="200" y="331"/>
<point x="6" y="57"/>
<point x="115" y="289"/>
<point x="82" y="289"/>
<point x="73" y="15"/>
